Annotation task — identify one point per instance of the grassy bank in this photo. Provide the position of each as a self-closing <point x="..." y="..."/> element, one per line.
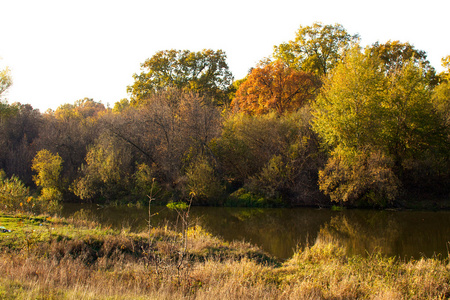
<point x="51" y="258"/>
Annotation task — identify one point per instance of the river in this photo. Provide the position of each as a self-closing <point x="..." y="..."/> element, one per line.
<point x="280" y="231"/>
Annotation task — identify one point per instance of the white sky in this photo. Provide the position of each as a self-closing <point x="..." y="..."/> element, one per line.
<point x="61" y="51"/>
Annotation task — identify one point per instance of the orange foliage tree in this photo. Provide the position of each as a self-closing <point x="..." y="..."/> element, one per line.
<point x="275" y="87"/>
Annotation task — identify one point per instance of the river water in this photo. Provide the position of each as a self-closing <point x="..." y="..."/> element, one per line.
<point x="280" y="231"/>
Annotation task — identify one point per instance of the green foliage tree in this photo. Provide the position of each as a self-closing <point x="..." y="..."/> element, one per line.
<point x="441" y="102"/>
<point x="205" y="72"/>
<point x="374" y="120"/>
<point x="348" y="109"/>
<point x="395" y="55"/>
<point x="411" y="126"/>
<point x="15" y="197"/>
<point x="317" y="48"/>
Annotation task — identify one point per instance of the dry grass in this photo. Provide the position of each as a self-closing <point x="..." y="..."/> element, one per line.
<point x="122" y="265"/>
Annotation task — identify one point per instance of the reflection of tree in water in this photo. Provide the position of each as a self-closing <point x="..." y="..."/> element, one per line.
<point x="277" y="231"/>
<point x="363" y="233"/>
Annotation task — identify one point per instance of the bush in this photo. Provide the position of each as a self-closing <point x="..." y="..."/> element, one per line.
<point x="14" y="195"/>
<point x="366" y="177"/>
<point x="49" y="200"/>
<point x="144" y="182"/>
<point x="243" y="197"/>
<point x="271" y="180"/>
<point x="105" y="176"/>
<point x="270" y="155"/>
<point x="48" y="167"/>
<point x="203" y="182"/>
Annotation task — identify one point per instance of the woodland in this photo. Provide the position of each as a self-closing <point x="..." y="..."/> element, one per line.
<point x="320" y="121"/>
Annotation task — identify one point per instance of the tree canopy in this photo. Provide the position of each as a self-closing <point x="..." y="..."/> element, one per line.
<point x="275" y="87"/>
<point x="445" y="75"/>
<point x="82" y="109"/>
<point x="5" y="84"/>
<point x="204" y="72"/>
<point x="365" y="115"/>
<point x="322" y="118"/>
<point x="395" y="55"/>
<point x="5" y="81"/>
<point x="317" y="48"/>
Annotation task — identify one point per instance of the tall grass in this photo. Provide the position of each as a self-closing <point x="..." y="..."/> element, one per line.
<point x="72" y="261"/>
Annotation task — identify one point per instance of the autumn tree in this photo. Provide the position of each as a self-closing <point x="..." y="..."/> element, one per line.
<point x="441" y="102"/>
<point x="317" y="48"/>
<point x="5" y="83"/>
<point x="168" y="133"/>
<point x="411" y="125"/>
<point x="121" y="105"/>
<point x="14" y="194"/>
<point x="373" y="120"/>
<point x="84" y="110"/>
<point x="445" y="75"/>
<point x="441" y="93"/>
<point x="105" y="174"/>
<point x="203" y="183"/>
<point x="275" y="87"/>
<point x="48" y="168"/>
<point x="19" y="135"/>
<point x="6" y="111"/>
<point x="270" y="156"/>
<point x="204" y="72"/>
<point x="347" y="109"/>
<point x="70" y="130"/>
<point x="394" y="55"/>
<point x="346" y="117"/>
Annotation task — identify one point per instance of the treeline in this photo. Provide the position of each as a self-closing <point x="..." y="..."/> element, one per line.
<point x="321" y="119"/>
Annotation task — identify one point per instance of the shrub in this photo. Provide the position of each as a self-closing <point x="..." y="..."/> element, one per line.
<point x="48" y="167"/>
<point x="203" y="182"/>
<point x="144" y="182"/>
<point x="244" y="197"/>
<point x="366" y="176"/>
<point x="14" y="195"/>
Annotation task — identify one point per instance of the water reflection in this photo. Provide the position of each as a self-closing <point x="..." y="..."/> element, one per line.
<point x="280" y="231"/>
<point x="364" y="233"/>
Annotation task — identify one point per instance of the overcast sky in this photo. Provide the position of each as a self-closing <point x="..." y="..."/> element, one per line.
<point x="61" y="51"/>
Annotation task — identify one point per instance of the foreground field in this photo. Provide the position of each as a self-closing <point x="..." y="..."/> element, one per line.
<point x="50" y="258"/>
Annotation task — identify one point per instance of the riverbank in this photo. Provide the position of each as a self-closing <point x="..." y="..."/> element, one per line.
<point x="75" y="258"/>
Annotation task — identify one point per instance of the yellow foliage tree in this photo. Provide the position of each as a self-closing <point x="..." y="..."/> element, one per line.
<point x="48" y="167"/>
